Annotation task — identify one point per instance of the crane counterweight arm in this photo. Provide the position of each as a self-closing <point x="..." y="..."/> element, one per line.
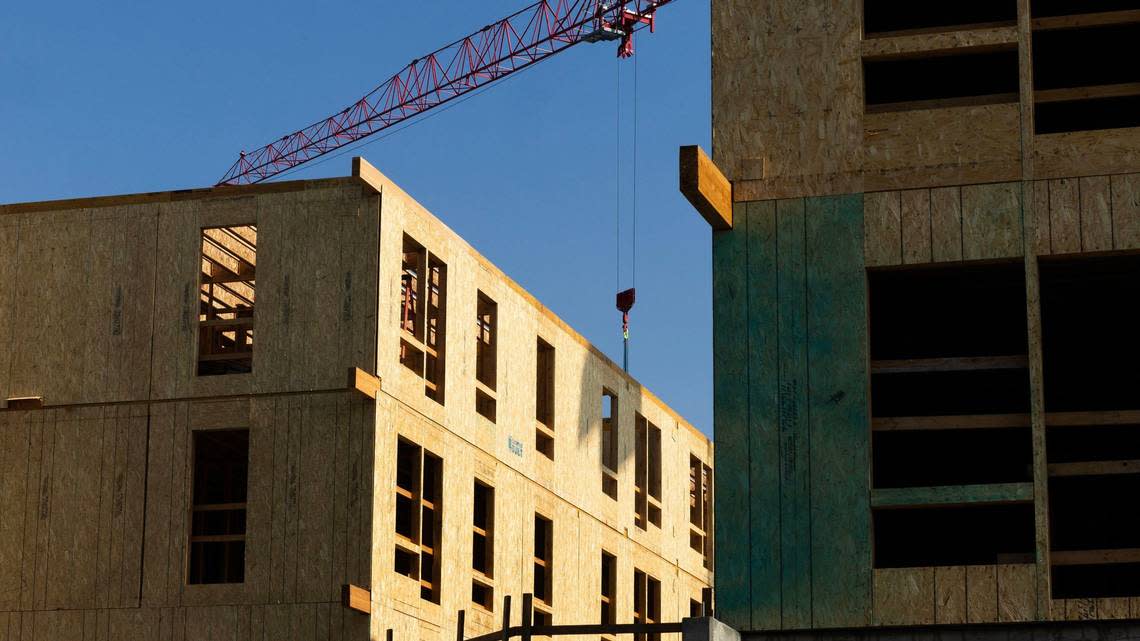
<point x="494" y="52"/>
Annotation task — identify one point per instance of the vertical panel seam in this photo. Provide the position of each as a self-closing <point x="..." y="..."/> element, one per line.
<point x="806" y="353"/>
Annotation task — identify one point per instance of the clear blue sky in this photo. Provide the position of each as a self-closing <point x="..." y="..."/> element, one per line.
<point x="120" y="97"/>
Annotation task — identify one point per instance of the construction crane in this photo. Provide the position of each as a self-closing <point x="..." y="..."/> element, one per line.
<point x="492" y="53"/>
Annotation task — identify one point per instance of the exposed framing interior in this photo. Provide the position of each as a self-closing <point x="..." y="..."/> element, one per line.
<point x="483" y="546"/>
<point x="544" y="399"/>
<point x="950" y="414"/>
<point x="226" y="299"/>
<point x="888" y="18"/>
<point x="700" y="508"/>
<point x="218" y="506"/>
<point x="423" y="304"/>
<point x="1092" y="423"/>
<point x="608" y="598"/>
<point x="646" y="603"/>
<point x="543" y="565"/>
<point x="419" y="481"/>
<point x="610" y="443"/>
<point x="944" y="78"/>
<point x="1084" y="75"/>
<point x="486" y="356"/>
<point x="647" y="474"/>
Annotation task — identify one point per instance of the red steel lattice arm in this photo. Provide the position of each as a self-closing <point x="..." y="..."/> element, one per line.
<point x="494" y="52"/>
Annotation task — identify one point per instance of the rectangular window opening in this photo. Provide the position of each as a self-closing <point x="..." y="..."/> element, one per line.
<point x="608" y="600"/>
<point x="486" y="356"/>
<point x="423" y="302"/>
<point x="965" y="535"/>
<point x="700" y="507"/>
<point x="483" y="546"/>
<point x="610" y="443"/>
<point x="947" y="79"/>
<point x="646" y="603"/>
<point x="543" y="560"/>
<point x="226" y="300"/>
<point x="419" y="479"/>
<point x="647" y="474"/>
<point x="899" y="17"/>
<point x="218" y="510"/>
<point x="544" y="399"/>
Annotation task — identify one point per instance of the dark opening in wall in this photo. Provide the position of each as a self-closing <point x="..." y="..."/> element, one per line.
<point x="950" y="78"/>
<point x="1065" y="58"/>
<point x="950" y="393"/>
<point x="924" y="458"/>
<point x="1046" y="8"/>
<point x="1089" y="333"/>
<point x="1081" y="115"/>
<point x="883" y="17"/>
<point x="975" y="535"/>
<point x="1094" y="443"/>
<point x="1095" y="581"/>
<point x="1094" y="512"/>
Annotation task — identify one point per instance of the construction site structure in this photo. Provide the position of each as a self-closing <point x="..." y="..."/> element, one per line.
<point x="309" y="410"/>
<point x="926" y="226"/>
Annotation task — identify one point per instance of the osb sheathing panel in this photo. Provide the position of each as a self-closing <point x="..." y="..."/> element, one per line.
<point x="566" y="489"/>
<point x="789" y="121"/>
<point x="955" y="594"/>
<point x="787" y="96"/>
<point x="91" y="288"/>
<point x="305" y="621"/>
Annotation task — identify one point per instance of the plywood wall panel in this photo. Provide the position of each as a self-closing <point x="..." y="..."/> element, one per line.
<point x="882" y="222"/>
<point x="946" y="224"/>
<point x="904" y="596"/>
<point x="9" y="244"/>
<point x="950" y="594"/>
<point x="1096" y="213"/>
<point x="15" y="442"/>
<point x="1126" y="211"/>
<point x="991" y="221"/>
<point x="1017" y="593"/>
<point x="1037" y="211"/>
<point x="1085" y="153"/>
<point x="1064" y="215"/>
<point x="981" y="593"/>
<point x="916" y="231"/>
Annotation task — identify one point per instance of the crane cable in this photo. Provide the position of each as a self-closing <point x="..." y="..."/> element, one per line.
<point x="617" y="173"/>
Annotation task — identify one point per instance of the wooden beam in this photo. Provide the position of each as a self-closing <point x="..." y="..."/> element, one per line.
<point x="1094" y="468"/>
<point x="707" y="189"/>
<point x="1092" y="419"/>
<point x="965" y="422"/>
<point x="363" y="382"/>
<point x="1086" y="20"/>
<point x="357" y="598"/>
<point x="996" y="494"/>
<point x="1118" y="90"/>
<point x="26" y="403"/>
<point x="1096" y="557"/>
<point x="913" y="365"/>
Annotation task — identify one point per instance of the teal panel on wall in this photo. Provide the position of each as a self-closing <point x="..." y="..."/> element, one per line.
<point x="837" y="410"/>
<point x="731" y="500"/>
<point x="764" y="452"/>
<point x="794" y="454"/>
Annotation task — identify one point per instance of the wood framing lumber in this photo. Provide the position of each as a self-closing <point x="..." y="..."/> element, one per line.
<point x="1094" y="468"/>
<point x="706" y="188"/>
<point x="26" y="403"/>
<point x="1096" y="557"/>
<point x="999" y="493"/>
<point x="957" y="422"/>
<point x="1019" y="361"/>
<point x="363" y="382"/>
<point x="1092" y="419"/>
<point x="357" y="598"/>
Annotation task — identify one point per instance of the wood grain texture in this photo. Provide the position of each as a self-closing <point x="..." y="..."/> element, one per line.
<point x="1096" y="213"/>
<point x="991" y="221"/>
<point x="904" y="596"/>
<point x="730" y="343"/>
<point x="1064" y="216"/>
<point x="837" y="410"/>
<point x="946" y="224"/>
<point x="705" y="187"/>
<point x="981" y="594"/>
<point x="794" y="448"/>
<point x="1037" y="215"/>
<point x="950" y="594"/>
<point x="1017" y="593"/>
<point x="882" y="213"/>
<point x="1125" y="211"/>
<point x="916" y="226"/>
<point x="763" y="420"/>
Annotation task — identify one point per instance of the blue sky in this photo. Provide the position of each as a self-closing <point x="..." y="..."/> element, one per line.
<point x="122" y="97"/>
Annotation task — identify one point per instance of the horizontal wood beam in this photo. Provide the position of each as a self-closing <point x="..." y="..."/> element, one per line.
<point x="1094" y="468"/>
<point x="963" y="422"/>
<point x="996" y="494"/>
<point x="707" y="189"/>
<point x="969" y="363"/>
<point x="26" y="403"/>
<point x="1086" y="20"/>
<point x="1092" y="419"/>
<point x="363" y="382"/>
<point x="357" y="598"/>
<point x="1118" y="90"/>
<point x="1094" y="557"/>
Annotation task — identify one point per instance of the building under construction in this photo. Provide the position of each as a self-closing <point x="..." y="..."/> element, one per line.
<point x="926" y="222"/>
<point x="309" y="410"/>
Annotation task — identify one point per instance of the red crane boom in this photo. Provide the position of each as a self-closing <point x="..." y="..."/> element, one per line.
<point x="494" y="52"/>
